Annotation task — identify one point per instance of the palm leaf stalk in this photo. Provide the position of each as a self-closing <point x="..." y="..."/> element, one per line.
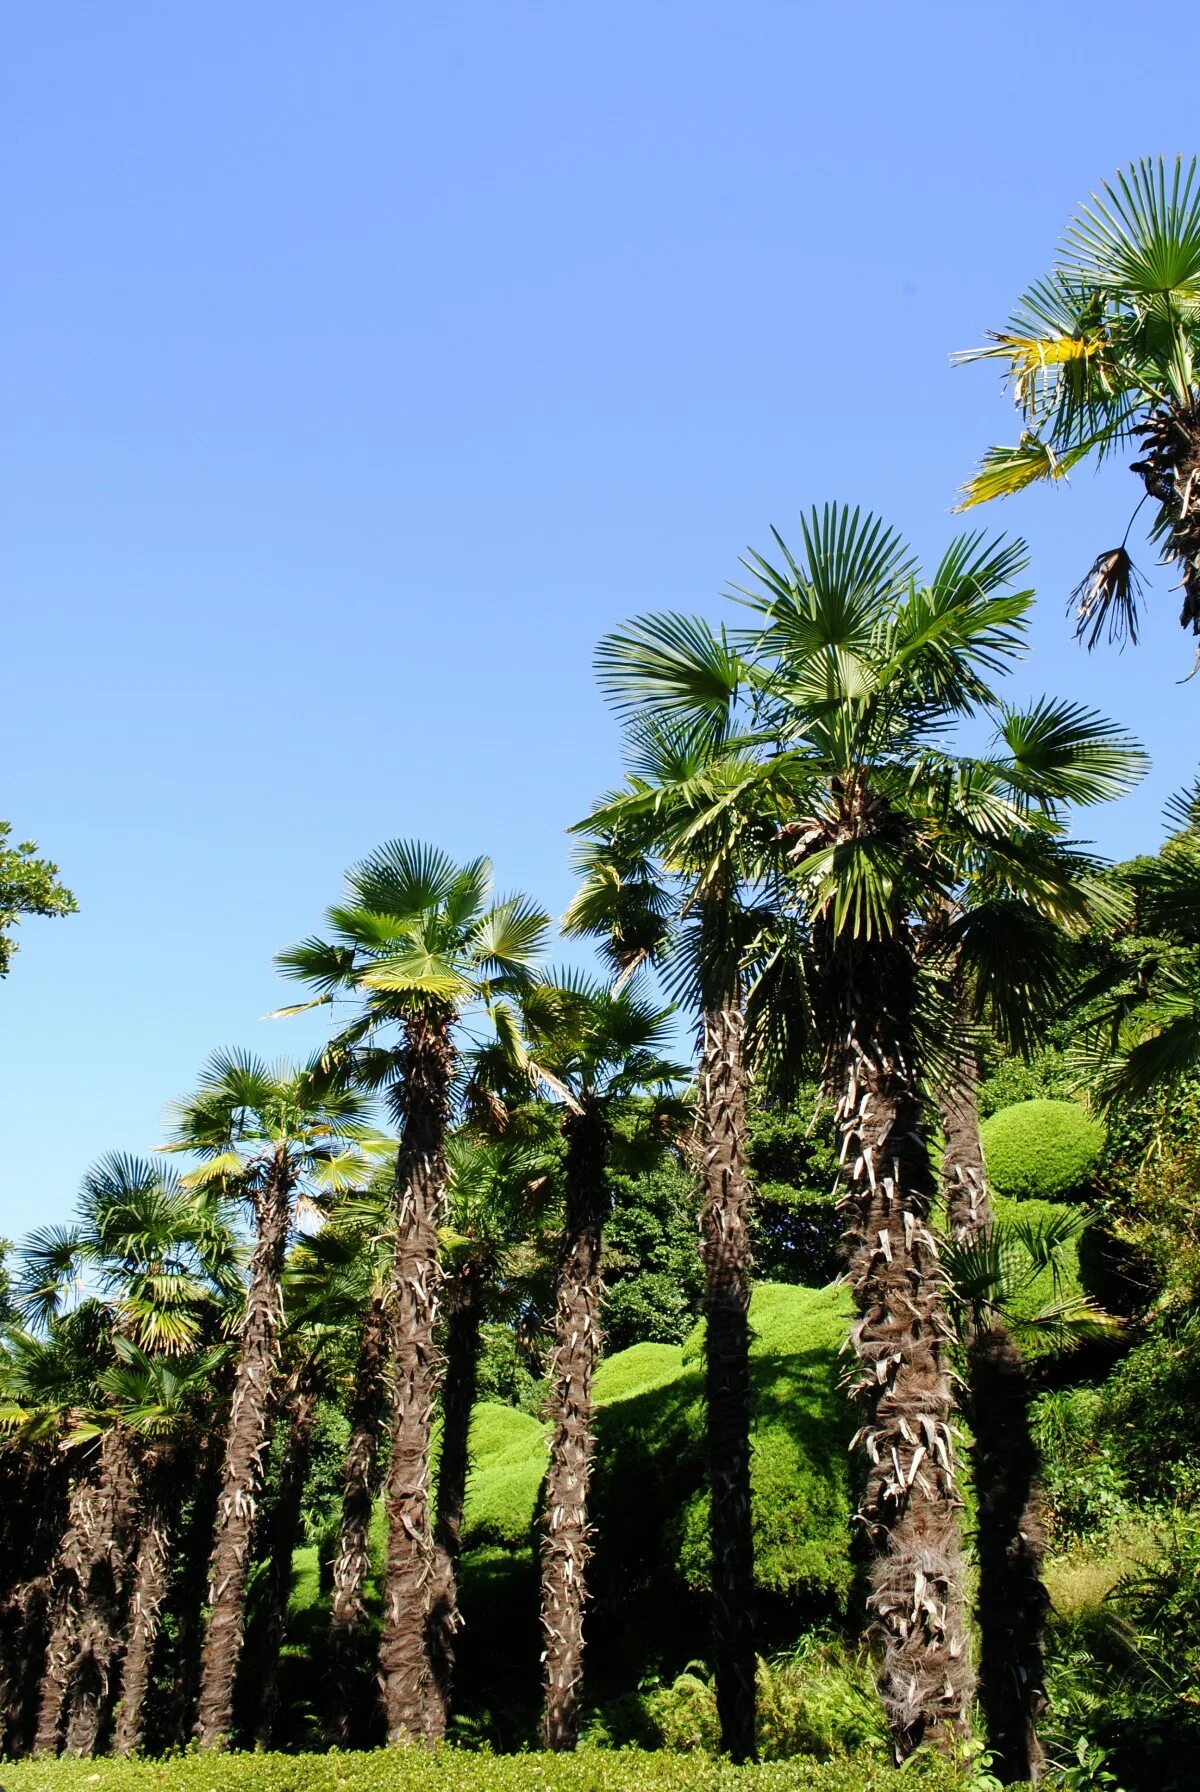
<point x="416" y="943"/>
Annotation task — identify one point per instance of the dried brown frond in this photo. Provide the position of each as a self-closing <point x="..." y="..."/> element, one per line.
<point x="1109" y="595"/>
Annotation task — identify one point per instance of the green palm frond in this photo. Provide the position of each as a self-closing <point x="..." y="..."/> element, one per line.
<point x="675" y="665"/>
<point x="409" y="877"/>
<point x="1141" y="234"/>
<point x="1062" y="753"/>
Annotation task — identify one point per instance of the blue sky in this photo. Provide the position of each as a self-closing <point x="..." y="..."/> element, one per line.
<point x="362" y="365"/>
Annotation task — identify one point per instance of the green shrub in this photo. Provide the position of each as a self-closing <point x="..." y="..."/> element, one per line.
<point x="1043" y="1150"/>
<point x="456" y="1770"/>
<point x="1146" y="1409"/>
<point x="818" y="1701"/>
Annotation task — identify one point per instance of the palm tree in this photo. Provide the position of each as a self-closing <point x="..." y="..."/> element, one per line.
<point x="1104" y="352"/>
<point x="165" y="1401"/>
<point x="271" y="1134"/>
<point x="343" y="1272"/>
<point x="497" y="1190"/>
<point x="156" y="1253"/>
<point x="297" y="1420"/>
<point x="856" y="671"/>
<point x="417" y="942"/>
<point x="592" y="1049"/>
<point x="693" y="909"/>
<point x="46" y="1381"/>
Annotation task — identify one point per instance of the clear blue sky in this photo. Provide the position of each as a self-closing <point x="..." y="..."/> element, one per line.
<point x="363" y="364"/>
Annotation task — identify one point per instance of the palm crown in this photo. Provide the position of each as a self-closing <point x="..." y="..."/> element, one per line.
<point x="590" y="1044"/>
<point x="1102" y="351"/>
<point x="156" y="1253"/>
<point x="416" y="932"/>
<point x="246" y="1116"/>
<point x="847" y="687"/>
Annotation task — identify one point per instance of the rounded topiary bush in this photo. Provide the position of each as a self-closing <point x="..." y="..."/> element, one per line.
<point x="1042" y="1150"/>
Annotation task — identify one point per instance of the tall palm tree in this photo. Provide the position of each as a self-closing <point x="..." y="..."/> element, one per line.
<point x="416" y="943"/>
<point x="857" y="670"/>
<point x="1056" y="756"/>
<point x="692" y="908"/>
<point x="592" y="1049"/>
<point x="47" y="1379"/>
<point x="497" y="1194"/>
<point x="1103" y="352"/>
<point x="343" y="1272"/>
<point x="271" y="1133"/>
<point x="155" y="1255"/>
<point x="165" y="1401"/>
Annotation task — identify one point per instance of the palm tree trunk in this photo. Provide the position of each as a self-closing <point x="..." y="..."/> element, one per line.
<point x="566" y="1545"/>
<point x="1011" y="1532"/>
<point x="145" y="1607"/>
<point x="910" y="1507"/>
<point x="300" y="1409"/>
<point x="725" y="1241"/>
<point x="458" y="1403"/>
<point x="33" y="1490"/>
<point x="412" y="1708"/>
<point x="190" y="1584"/>
<point x="66" y="1594"/>
<point x="88" y="1583"/>
<point x="1170" y="471"/>
<point x="101" y="1619"/>
<point x="246" y="1442"/>
<point x="352" y="1561"/>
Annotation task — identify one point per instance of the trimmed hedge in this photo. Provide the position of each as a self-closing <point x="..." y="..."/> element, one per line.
<point x="457" y="1770"/>
<point x="1042" y="1150"/>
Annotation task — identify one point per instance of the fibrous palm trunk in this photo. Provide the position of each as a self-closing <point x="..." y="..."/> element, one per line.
<point x="1170" y="471"/>
<point x="352" y="1562"/>
<point x="89" y="1586"/>
<point x="413" y="1708"/>
<point x="189" y="1586"/>
<point x="910" y="1506"/>
<point x="299" y="1411"/>
<point x="148" y="1590"/>
<point x="566" y="1544"/>
<point x="246" y="1442"/>
<point x="1011" y="1533"/>
<point x="33" y="1489"/>
<point x="725" y="1236"/>
<point x="459" y="1387"/>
